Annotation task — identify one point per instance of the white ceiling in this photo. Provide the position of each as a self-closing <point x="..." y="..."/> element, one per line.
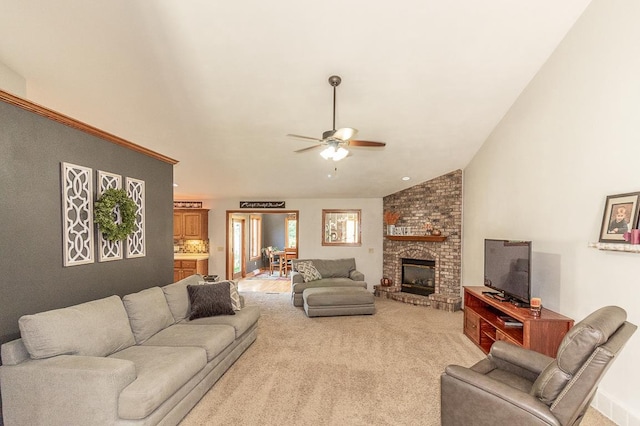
<point x="218" y="84"/>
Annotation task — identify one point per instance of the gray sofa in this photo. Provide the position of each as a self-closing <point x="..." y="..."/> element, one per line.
<point x="131" y="361"/>
<point x="335" y="273"/>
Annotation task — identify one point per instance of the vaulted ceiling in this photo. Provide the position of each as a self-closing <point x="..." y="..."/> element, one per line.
<point x="217" y="85"/>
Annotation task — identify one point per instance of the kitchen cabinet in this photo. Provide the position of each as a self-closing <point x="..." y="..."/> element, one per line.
<point x="185" y="268"/>
<point x="191" y="224"/>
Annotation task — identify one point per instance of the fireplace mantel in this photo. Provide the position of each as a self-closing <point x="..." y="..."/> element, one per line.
<point x="431" y="238"/>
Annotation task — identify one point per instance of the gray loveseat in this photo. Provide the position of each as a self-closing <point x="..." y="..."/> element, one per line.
<point x="131" y="361"/>
<point x="335" y="273"/>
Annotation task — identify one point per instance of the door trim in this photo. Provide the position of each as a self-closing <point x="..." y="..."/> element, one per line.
<point x="229" y="233"/>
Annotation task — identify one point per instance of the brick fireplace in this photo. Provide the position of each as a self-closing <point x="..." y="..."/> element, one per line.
<point x="438" y="201"/>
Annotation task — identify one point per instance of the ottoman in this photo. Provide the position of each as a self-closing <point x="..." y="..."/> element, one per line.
<point x="332" y="301"/>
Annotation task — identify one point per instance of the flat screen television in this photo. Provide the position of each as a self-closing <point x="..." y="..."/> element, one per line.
<point x="507" y="267"/>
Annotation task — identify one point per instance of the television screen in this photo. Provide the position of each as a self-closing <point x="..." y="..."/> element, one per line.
<point x="507" y="266"/>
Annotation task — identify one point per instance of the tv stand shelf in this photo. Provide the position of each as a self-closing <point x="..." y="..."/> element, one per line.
<point x="483" y="327"/>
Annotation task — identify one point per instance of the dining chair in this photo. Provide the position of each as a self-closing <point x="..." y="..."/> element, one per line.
<point x="274" y="261"/>
<point x="290" y="253"/>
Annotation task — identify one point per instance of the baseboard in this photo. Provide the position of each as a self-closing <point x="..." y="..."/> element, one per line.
<point x="613" y="410"/>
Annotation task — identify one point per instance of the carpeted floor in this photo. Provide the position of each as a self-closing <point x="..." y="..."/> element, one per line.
<point x="381" y="369"/>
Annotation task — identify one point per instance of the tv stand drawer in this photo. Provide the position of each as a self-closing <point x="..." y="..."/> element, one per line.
<point x="472" y="325"/>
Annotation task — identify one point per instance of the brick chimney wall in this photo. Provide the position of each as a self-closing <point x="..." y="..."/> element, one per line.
<point x="438" y="201"/>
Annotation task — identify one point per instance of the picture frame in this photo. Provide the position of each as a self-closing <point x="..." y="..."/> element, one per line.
<point x="620" y="216"/>
<point x="341" y="228"/>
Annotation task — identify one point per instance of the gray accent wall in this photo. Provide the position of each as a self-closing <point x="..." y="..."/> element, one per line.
<point x="32" y="276"/>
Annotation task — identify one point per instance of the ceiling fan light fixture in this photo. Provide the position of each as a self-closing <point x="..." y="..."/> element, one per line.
<point x="340" y="154"/>
<point x="334" y="154"/>
<point x="328" y="152"/>
<point x="334" y="139"/>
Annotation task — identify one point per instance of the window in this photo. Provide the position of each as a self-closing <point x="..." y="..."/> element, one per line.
<point x="341" y="228"/>
<point x="256" y="237"/>
<point x="291" y="229"/>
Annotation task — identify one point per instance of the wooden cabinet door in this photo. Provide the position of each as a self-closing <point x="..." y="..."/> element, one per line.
<point x="192" y="226"/>
<point x="177" y="225"/>
<point x="189" y="267"/>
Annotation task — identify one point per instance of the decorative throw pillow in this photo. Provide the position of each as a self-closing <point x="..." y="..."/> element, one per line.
<point x="235" y="296"/>
<point x="308" y="271"/>
<point x="210" y="300"/>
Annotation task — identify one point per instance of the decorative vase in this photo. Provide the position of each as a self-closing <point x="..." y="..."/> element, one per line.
<point x="391" y="229"/>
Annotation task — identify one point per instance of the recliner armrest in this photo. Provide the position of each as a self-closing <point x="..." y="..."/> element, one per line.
<point x="505" y="396"/>
<point x="532" y="361"/>
<point x="296" y="277"/>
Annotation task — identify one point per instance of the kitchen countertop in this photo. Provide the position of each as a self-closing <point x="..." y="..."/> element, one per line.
<point x="190" y="256"/>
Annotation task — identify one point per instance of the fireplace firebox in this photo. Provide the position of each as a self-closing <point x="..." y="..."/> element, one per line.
<point x="418" y="276"/>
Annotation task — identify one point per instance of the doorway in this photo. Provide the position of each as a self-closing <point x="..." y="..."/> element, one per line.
<point x="246" y="239"/>
<point x="237" y="248"/>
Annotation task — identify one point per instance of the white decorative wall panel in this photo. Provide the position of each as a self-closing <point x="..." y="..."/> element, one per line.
<point x="135" y="241"/>
<point x="109" y="250"/>
<point x="77" y="214"/>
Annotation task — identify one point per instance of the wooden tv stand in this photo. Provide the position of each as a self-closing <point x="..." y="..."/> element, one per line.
<point x="481" y="324"/>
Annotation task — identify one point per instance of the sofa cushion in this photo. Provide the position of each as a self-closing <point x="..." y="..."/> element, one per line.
<point x="328" y="282"/>
<point x="209" y="300"/>
<point x="178" y="298"/>
<point x="148" y="312"/>
<point x="161" y="371"/>
<point x="96" y="328"/>
<point x="308" y="271"/>
<point x="242" y="321"/>
<point x="212" y="338"/>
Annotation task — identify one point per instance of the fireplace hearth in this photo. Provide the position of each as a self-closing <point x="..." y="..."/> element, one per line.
<point x="418" y="276"/>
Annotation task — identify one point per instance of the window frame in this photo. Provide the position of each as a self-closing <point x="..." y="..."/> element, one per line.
<point x="255" y="237"/>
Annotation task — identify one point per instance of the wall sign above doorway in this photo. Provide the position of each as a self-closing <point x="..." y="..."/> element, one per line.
<point x="262" y="204"/>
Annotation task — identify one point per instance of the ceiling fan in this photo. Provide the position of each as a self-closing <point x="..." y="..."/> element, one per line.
<point x="336" y="141"/>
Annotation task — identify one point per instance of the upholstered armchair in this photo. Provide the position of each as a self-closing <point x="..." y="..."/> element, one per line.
<point x="516" y="386"/>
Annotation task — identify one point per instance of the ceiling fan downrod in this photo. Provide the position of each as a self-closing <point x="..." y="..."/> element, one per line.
<point x="334" y="81"/>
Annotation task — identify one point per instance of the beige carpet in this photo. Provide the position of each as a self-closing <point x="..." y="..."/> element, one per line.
<point x="382" y="369"/>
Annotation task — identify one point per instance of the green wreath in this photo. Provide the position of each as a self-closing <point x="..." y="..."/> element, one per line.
<point x="106" y="214"/>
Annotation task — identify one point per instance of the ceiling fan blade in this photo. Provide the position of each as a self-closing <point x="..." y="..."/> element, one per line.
<point x="366" y="143"/>
<point x="308" y="148"/>
<point x="345" y="133"/>
<point x="305" y="137"/>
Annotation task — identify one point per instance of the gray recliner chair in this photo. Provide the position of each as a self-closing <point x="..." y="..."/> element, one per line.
<point x="516" y="386"/>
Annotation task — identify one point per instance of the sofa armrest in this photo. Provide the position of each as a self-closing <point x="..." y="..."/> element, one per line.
<point x="469" y="397"/>
<point x="356" y="275"/>
<point x="296" y="277"/>
<point x="65" y="389"/>
<point x="532" y="361"/>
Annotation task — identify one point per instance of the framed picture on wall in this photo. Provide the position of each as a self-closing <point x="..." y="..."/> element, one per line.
<point x="620" y="216"/>
<point x="341" y="228"/>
